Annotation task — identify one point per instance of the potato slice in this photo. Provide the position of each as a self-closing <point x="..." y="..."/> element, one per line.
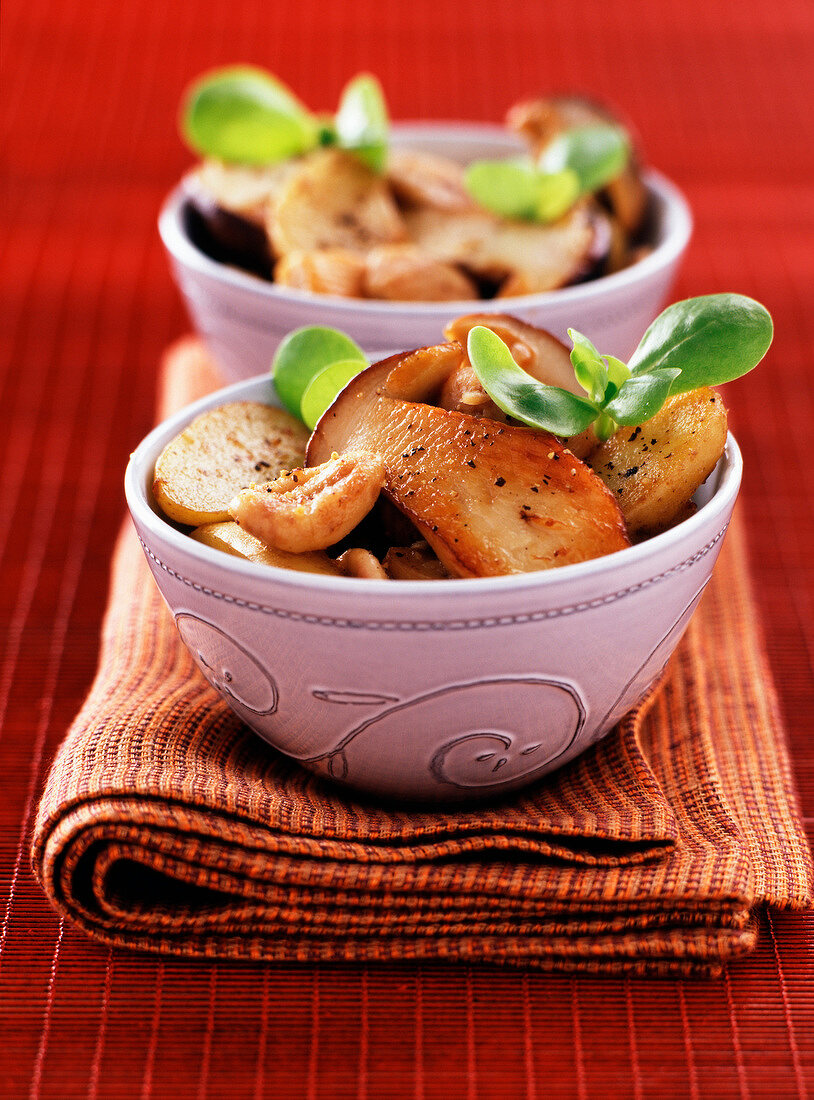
<point x="653" y="470"/>
<point x="543" y="257"/>
<point x="326" y="271"/>
<point x="221" y="452"/>
<point x="334" y="201"/>
<point x="423" y="179"/>
<point x="405" y="273"/>
<point x="232" y="539"/>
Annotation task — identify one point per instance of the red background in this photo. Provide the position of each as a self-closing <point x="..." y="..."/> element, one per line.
<point x="722" y="96"/>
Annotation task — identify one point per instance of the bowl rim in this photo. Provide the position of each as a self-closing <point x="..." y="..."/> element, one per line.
<point x="678" y="230"/>
<point x="727" y="473"/>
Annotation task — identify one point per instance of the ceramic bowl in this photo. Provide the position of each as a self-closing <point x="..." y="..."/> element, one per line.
<point x="436" y="691"/>
<point x="243" y="318"/>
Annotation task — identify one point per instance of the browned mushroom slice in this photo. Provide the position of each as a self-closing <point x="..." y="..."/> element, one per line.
<point x="231" y="203"/>
<point x="423" y="179"/>
<point x="655" y="468"/>
<point x="333" y="200"/>
<point x="230" y="538"/>
<point x="539" y="353"/>
<point x="413" y="563"/>
<point x="490" y="499"/>
<point x="403" y="272"/>
<point x="547" y="256"/>
<point x="537" y="121"/>
<point x="311" y="509"/>
<point x="324" y="271"/>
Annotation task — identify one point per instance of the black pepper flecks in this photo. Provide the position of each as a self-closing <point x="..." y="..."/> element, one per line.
<point x="501" y="481"/>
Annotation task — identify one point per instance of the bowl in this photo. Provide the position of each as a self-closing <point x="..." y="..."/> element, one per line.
<point x="433" y="691"/>
<point x="243" y="317"/>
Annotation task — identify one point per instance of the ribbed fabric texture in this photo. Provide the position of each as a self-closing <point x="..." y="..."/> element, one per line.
<point x="167" y="825"/>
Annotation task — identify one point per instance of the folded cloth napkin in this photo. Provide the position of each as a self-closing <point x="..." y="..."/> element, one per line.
<point x="167" y="825"/>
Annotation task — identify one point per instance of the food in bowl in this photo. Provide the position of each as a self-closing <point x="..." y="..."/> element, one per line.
<point x="324" y="205"/>
<point x="497" y="452"/>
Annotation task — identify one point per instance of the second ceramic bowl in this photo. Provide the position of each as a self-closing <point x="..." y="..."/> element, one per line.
<point x="243" y="318"/>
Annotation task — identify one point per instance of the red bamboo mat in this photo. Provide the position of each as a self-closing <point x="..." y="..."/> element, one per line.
<point x="722" y="95"/>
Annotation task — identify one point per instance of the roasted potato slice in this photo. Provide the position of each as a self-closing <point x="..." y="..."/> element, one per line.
<point x="423" y="179"/>
<point x="221" y="452"/>
<point x="544" y="257"/>
<point x="654" y="469"/>
<point x="230" y="538"/>
<point x="333" y="200"/>
<point x="406" y="273"/>
<point x="325" y="271"/>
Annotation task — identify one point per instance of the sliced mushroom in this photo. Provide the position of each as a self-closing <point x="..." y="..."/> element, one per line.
<point x="539" y="353"/>
<point x="489" y="499"/>
<point x="360" y="563"/>
<point x="333" y="200"/>
<point x="413" y="563"/>
<point x="545" y="256"/>
<point x="406" y="273"/>
<point x="230" y="538"/>
<point x="424" y="179"/>
<point x="230" y="204"/>
<point x="655" y="468"/>
<point x="325" y="271"/>
<point x="538" y="121"/>
<point x="311" y="509"/>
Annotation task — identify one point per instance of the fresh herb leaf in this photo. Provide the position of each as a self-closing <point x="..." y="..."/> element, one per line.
<point x="324" y="387"/>
<point x="699" y="342"/>
<point x="521" y="396"/>
<point x="243" y="114"/>
<point x="597" y="154"/>
<point x="361" y="122"/>
<point x="590" y="368"/>
<point x="710" y="340"/>
<point x="510" y="188"/>
<point x="641" y="396"/>
<point x="303" y="354"/>
<point x="558" y="191"/>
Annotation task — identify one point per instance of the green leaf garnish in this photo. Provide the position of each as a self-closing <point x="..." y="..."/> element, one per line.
<point x="245" y="115"/>
<point x="596" y="154"/>
<point x="590" y="369"/>
<point x="510" y="188"/>
<point x="323" y="388"/>
<point x="361" y="122"/>
<point x="303" y="354"/>
<point x="521" y="396"/>
<point x="641" y="396"/>
<point x="575" y="163"/>
<point x="699" y="342"/>
<point x="711" y="340"/>
<point x="558" y="191"/>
